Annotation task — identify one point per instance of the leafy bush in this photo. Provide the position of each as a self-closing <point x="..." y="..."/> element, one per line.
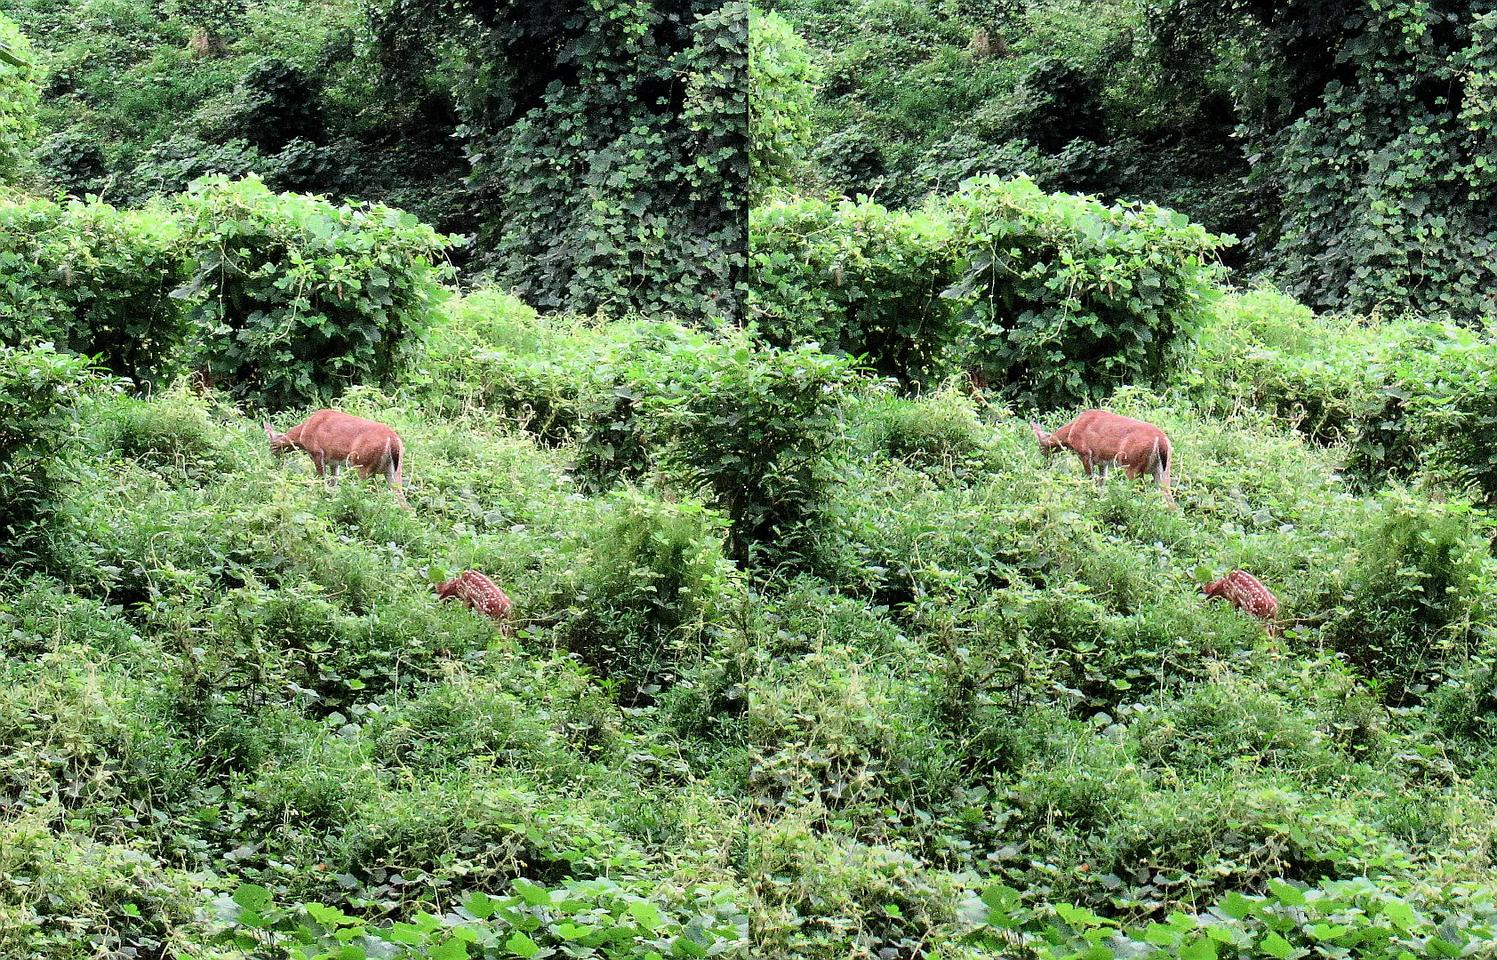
<point x="1070" y="298"/>
<point x="611" y="921"/>
<point x="855" y="277"/>
<point x="780" y="77"/>
<point x="296" y="297"/>
<point x="1436" y="415"/>
<point x="748" y="425"/>
<point x="651" y="581"/>
<point x="1417" y="592"/>
<point x="39" y="390"/>
<point x="93" y="280"/>
<point x="18" y="97"/>
<point x="1049" y="298"/>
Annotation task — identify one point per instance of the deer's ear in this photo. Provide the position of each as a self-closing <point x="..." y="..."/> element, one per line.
<point x="269" y="430"/>
<point x="1037" y="431"/>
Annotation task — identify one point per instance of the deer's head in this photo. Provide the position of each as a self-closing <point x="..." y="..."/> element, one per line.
<point x="1047" y="441"/>
<point x="280" y="444"/>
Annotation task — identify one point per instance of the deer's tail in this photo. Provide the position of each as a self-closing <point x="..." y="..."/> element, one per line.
<point x="1162" y="468"/>
<point x="394" y="454"/>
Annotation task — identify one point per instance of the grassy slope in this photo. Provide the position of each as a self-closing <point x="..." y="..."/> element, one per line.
<point x="981" y="670"/>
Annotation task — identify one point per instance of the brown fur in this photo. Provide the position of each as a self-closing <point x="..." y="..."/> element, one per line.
<point x="333" y="438"/>
<point x="1245" y="592"/>
<point x="479" y="593"/>
<point x="1103" y="440"/>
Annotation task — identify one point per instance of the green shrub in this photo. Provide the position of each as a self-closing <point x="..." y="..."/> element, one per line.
<point x="176" y="430"/>
<point x="855" y="277"/>
<point x="1264" y="351"/>
<point x="548" y="375"/>
<point x="1372" y="919"/>
<point x="39" y="392"/>
<point x="70" y="898"/>
<point x="1049" y="298"/>
<point x="296" y="297"/>
<point x="1417" y="592"/>
<point x="93" y="280"/>
<point x="650" y="582"/>
<point x="1068" y="298"/>
<point x="823" y="896"/>
<point x="749" y="426"/>
<point x="938" y="429"/>
<point x="1438" y="410"/>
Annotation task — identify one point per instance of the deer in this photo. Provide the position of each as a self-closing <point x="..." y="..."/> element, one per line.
<point x="1248" y="594"/>
<point x="1104" y="440"/>
<point x="478" y="593"/>
<point x="334" y="439"/>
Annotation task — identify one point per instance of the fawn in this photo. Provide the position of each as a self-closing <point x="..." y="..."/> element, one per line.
<point x="1103" y="440"/>
<point x="479" y="593"/>
<point x="333" y="438"/>
<point x="1245" y="592"/>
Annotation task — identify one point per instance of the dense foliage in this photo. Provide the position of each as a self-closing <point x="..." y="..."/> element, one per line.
<point x="18" y="94"/>
<point x="608" y="141"/>
<point x="93" y="280"/>
<point x="296" y="297"/>
<point x="1350" y="143"/>
<point x="38" y="390"/>
<point x="1051" y="299"/>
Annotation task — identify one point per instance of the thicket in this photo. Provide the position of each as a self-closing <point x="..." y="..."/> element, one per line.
<point x="1047" y="298"/>
<point x="1348" y="144"/>
<point x="93" y="280"/>
<point x="277" y="298"/>
<point x="609" y="143"/>
<point x="296" y="297"/>
<point x="18" y="96"/>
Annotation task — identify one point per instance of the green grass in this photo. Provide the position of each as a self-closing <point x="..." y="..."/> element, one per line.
<point x="976" y="672"/>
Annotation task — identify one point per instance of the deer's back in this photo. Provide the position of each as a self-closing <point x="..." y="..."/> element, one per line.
<point x="1248" y="594"/>
<point x="345" y="436"/>
<point x="1100" y="433"/>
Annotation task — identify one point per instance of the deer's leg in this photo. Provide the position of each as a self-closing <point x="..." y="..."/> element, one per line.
<point x="319" y="463"/>
<point x="334" y="468"/>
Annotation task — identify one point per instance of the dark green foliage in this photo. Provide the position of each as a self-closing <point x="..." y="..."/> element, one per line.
<point x="93" y="280"/>
<point x="609" y="144"/>
<point x="651" y="581"/>
<point x="1388" y="164"/>
<point x="39" y="391"/>
<point x="1052" y="299"/>
<point x="296" y="297"/>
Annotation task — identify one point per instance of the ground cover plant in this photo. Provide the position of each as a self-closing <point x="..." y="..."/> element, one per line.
<point x="812" y="654"/>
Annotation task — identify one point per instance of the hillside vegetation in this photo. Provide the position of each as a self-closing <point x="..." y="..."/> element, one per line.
<point x="814" y="654"/>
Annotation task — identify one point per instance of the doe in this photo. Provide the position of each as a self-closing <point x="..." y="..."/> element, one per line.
<point x="333" y="438"/>
<point x="1103" y="440"/>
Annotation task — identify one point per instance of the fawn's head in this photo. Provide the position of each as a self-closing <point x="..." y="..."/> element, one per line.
<point x="280" y="444"/>
<point x="1047" y="441"/>
<point x="445" y="589"/>
<point x="1213" y="589"/>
